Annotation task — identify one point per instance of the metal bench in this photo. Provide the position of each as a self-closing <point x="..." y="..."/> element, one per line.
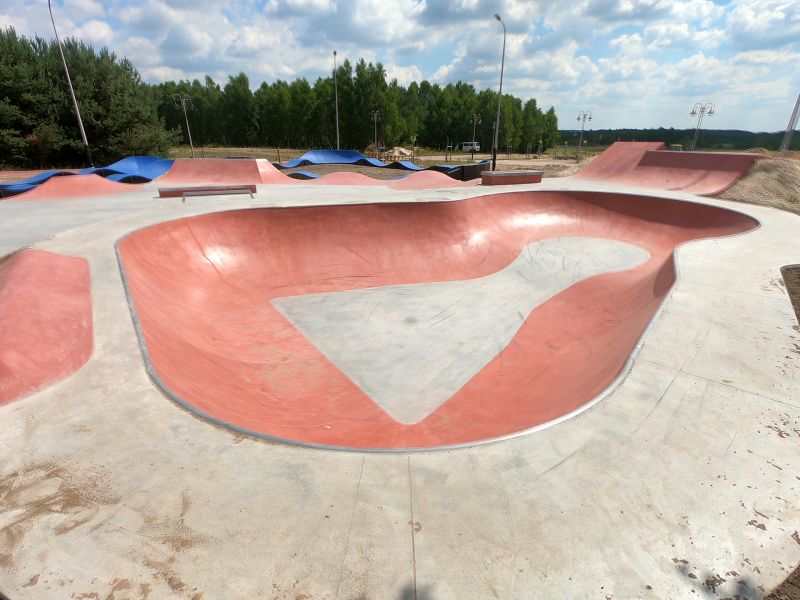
<point x="205" y="190"/>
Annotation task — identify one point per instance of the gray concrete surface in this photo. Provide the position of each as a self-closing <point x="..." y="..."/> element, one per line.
<point x="681" y="484"/>
<point x="422" y="343"/>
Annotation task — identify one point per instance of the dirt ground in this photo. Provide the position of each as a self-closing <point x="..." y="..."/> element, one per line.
<point x="772" y="181"/>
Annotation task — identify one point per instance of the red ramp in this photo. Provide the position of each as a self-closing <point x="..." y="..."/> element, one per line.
<point x="223" y="171"/>
<point x="649" y="164"/>
<point x="45" y="320"/>
<point x="405" y="326"/>
<point x="74" y="187"/>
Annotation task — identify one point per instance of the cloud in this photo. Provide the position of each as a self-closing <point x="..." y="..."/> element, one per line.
<point x="404" y="75"/>
<point x="632" y="62"/>
<point x="764" y="23"/>
<point x="95" y="32"/>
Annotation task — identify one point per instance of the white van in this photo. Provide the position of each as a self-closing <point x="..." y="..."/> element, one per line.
<point x="470" y="147"/>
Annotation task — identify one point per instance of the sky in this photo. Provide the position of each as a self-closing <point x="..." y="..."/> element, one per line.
<point x="632" y="63"/>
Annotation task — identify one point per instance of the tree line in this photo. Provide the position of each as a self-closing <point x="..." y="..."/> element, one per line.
<point x="38" y="127"/>
<point x="123" y="115"/>
<point x="299" y="114"/>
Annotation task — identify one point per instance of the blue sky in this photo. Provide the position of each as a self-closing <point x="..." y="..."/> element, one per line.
<point x="633" y="63"/>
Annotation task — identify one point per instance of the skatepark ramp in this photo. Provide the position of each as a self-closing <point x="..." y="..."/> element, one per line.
<point x="405" y="326"/>
<point x="650" y="164"/>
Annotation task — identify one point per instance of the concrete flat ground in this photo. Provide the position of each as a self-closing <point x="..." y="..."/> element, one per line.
<point x="682" y="483"/>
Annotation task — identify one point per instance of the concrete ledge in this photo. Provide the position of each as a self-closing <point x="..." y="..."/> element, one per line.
<point x="511" y="177"/>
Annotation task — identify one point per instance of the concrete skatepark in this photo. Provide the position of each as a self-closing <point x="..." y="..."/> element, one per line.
<point x="609" y="408"/>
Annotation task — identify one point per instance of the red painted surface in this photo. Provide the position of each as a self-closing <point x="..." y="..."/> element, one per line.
<point x="428" y="180"/>
<point x="73" y="187"/>
<point x="233" y="171"/>
<point x="202" y="288"/>
<point x="649" y="164"/>
<point x="222" y="171"/>
<point x="45" y="320"/>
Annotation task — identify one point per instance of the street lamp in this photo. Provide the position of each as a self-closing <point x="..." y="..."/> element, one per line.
<point x="700" y="110"/>
<point x="71" y="91"/>
<point x="582" y="117"/>
<point x="499" y="96"/>
<point x="375" y="116"/>
<point x="184" y="102"/>
<point x="476" y="118"/>
<point x="336" y="96"/>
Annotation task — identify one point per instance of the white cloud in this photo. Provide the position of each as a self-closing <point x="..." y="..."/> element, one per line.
<point x="633" y="62"/>
<point x="404" y="75"/>
<point x="95" y="32"/>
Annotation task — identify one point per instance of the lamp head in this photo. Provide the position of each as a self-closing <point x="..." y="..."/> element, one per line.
<point x="496" y="16"/>
<point x="693" y="113"/>
<point x="334" y="52"/>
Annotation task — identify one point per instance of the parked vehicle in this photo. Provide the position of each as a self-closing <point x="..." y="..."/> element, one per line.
<point x="470" y="147"/>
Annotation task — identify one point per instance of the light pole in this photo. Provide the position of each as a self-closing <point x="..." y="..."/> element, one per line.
<point x="499" y="96"/>
<point x="336" y="96"/>
<point x="582" y="116"/>
<point x="476" y="118"/>
<point x="375" y="116"/>
<point x="71" y="91"/>
<point x="700" y="110"/>
<point x="184" y="102"/>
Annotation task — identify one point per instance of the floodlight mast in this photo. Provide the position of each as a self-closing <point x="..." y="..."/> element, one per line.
<point x="700" y="110"/>
<point x="499" y="96"/>
<point x="71" y="90"/>
<point x="375" y="115"/>
<point x="582" y="117"/>
<point x="336" y="96"/>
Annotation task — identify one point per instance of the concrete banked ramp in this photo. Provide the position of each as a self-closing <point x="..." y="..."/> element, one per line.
<point x="45" y="320"/>
<point x="74" y="187"/>
<point x="391" y="326"/>
<point x="248" y="171"/>
<point x="650" y="164"/>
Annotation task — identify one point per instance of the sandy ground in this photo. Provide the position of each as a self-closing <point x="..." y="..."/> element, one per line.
<point x="772" y="181"/>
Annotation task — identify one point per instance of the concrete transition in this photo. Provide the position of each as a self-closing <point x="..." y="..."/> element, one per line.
<point x="45" y="320"/>
<point x="74" y="187"/>
<point x="650" y="164"/>
<point x="389" y="326"/>
<point x="232" y="171"/>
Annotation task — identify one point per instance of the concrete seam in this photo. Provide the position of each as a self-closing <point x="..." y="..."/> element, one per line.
<point x="411" y="524"/>
<point x="350" y="526"/>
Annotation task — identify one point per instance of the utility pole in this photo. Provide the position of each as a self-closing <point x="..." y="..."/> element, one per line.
<point x="71" y="91"/>
<point x="184" y="102"/>
<point x="336" y="95"/>
<point x="375" y="116"/>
